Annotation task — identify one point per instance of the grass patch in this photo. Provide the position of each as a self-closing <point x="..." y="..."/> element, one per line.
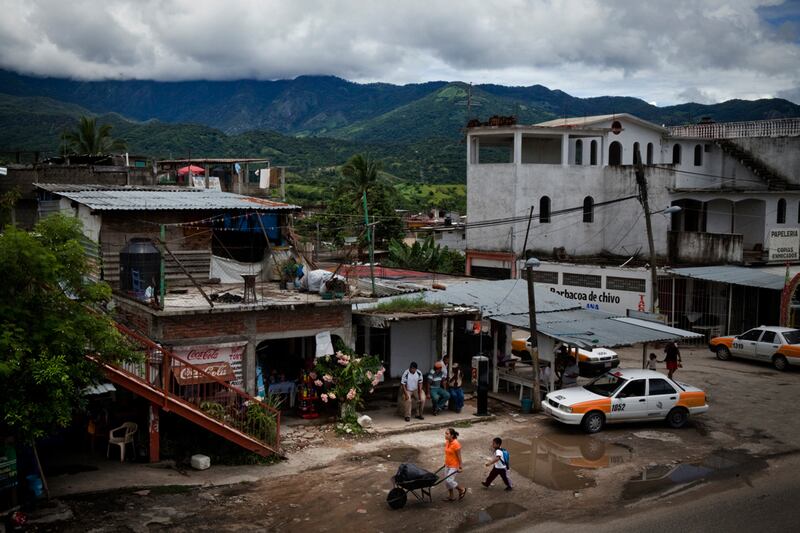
<point x="463" y="424"/>
<point x="409" y="305"/>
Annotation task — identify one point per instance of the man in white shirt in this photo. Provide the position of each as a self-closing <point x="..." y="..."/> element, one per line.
<point x="411" y="383"/>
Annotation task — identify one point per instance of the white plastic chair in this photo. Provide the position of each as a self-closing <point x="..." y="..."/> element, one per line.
<point x="122" y="441"/>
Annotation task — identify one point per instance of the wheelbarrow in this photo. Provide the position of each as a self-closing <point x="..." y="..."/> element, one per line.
<point x="412" y="479"/>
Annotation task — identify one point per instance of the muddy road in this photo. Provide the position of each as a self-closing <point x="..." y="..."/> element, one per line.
<point x="562" y="477"/>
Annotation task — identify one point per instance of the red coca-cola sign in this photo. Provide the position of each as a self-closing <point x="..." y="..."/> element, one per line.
<point x="188" y="375"/>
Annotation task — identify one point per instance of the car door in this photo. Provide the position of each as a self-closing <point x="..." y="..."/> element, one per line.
<point x="767" y="345"/>
<point x="745" y="344"/>
<point x="630" y="402"/>
<point x="661" y="397"/>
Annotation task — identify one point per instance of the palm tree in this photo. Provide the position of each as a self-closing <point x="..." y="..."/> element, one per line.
<point x="361" y="173"/>
<point x="89" y="139"/>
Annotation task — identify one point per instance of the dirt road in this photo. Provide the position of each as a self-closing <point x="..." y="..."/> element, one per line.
<point x="560" y="475"/>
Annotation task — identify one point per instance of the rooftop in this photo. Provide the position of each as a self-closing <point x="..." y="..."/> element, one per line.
<point x="585" y="122"/>
<point x="159" y="198"/>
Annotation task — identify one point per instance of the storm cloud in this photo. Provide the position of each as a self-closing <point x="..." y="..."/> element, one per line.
<point x="659" y="51"/>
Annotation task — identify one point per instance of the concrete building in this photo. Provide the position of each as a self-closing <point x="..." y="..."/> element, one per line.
<point x="737" y="184"/>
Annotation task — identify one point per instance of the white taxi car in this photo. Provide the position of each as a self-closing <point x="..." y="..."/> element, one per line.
<point x="625" y="395"/>
<point x="779" y="346"/>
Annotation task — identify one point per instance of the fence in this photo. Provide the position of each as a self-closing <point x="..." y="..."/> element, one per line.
<point x="782" y="127"/>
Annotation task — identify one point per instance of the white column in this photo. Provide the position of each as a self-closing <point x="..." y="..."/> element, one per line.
<point x="565" y="149"/>
<point x="517" y="148"/>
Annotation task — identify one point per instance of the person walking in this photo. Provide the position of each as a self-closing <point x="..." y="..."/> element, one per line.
<point x="452" y="465"/>
<point x="437" y="387"/>
<point x="651" y="363"/>
<point x="411" y="383"/>
<point x="672" y="356"/>
<point x="499" y="465"/>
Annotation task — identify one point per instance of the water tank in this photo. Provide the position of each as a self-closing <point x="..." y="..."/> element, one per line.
<point x="139" y="267"/>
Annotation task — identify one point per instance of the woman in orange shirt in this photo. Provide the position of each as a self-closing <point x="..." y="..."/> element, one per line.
<point x="452" y="464"/>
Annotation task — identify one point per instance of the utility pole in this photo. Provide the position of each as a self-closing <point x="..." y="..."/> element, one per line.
<point x="163" y="270"/>
<point x="371" y="245"/>
<point x="537" y="400"/>
<point x="641" y="181"/>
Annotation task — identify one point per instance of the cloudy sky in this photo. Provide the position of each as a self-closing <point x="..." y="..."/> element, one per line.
<point x="663" y="51"/>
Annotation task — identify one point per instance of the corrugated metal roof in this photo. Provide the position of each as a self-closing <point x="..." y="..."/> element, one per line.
<point x="749" y="277"/>
<point x="501" y="297"/>
<point x="136" y="199"/>
<point x="588" y="328"/>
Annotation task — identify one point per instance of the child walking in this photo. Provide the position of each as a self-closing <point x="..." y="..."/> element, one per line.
<point x="499" y="465"/>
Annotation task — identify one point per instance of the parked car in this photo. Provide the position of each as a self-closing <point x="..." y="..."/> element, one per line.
<point x="776" y="345"/>
<point x="591" y="363"/>
<point x="625" y="395"/>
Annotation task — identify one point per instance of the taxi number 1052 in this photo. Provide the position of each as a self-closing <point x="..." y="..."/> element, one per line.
<point x="618" y="407"/>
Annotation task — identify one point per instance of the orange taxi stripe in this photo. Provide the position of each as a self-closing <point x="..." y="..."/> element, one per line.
<point x="692" y="399"/>
<point x="603" y="404"/>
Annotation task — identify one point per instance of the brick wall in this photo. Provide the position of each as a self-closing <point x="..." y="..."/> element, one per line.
<point x="136" y="319"/>
<point x="305" y="318"/>
<point x="202" y="326"/>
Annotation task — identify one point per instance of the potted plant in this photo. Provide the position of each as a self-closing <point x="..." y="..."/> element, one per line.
<point x="288" y="271"/>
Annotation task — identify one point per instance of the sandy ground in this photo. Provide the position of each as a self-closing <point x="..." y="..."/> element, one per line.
<point x="562" y="477"/>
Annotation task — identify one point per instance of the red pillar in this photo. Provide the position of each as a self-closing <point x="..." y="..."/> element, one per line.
<point x="155" y="436"/>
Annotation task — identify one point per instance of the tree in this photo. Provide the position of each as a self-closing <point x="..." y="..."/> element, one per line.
<point x="425" y="256"/>
<point x="361" y="173"/>
<point x="50" y="318"/>
<point x="89" y="139"/>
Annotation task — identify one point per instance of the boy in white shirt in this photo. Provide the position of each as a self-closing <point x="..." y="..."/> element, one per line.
<point x="500" y="468"/>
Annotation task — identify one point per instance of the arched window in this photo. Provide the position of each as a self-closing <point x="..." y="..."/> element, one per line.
<point x="798" y="212"/>
<point x="588" y="209"/>
<point x="781" y="217"/>
<point x="579" y="152"/>
<point x="676" y="154"/>
<point x="636" y="153"/>
<point x="544" y="210"/>
<point x="649" y="153"/>
<point x="593" y="153"/>
<point x="615" y="154"/>
<point x="698" y="155"/>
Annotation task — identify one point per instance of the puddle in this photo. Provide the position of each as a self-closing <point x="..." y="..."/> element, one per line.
<point x="497" y="511"/>
<point x="401" y="454"/>
<point x="562" y="461"/>
<point x="673" y="478"/>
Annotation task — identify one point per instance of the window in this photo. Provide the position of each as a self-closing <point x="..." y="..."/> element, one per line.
<point x="698" y="155"/>
<point x="792" y="337"/>
<point x="542" y="276"/>
<point x="579" y="152"/>
<point x="707" y="148"/>
<point x="582" y="280"/>
<point x="593" y="153"/>
<point x="605" y="385"/>
<point x="781" y="216"/>
<point x="649" y="153"/>
<point x="660" y="386"/>
<point x="633" y="389"/>
<point x="626" y="284"/>
<point x="676" y="154"/>
<point x="636" y="154"/>
<point x="615" y="154"/>
<point x="769" y="336"/>
<point x="544" y="210"/>
<point x="588" y="209"/>
<point x="751" y="335"/>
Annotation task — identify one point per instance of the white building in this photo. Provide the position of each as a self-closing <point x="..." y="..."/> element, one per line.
<point x="735" y="182"/>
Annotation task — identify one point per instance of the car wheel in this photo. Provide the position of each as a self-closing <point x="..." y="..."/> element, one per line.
<point x="593" y="422"/>
<point x="723" y="353"/>
<point x="780" y="363"/>
<point x="677" y="418"/>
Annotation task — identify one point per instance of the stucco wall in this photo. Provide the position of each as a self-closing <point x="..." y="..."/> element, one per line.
<point x="412" y="340"/>
<point x="705" y="248"/>
<point x="781" y="153"/>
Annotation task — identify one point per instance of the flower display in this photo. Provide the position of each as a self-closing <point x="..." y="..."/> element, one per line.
<point x="318" y="383"/>
<point x="324" y="398"/>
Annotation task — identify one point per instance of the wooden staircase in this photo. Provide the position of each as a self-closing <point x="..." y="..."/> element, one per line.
<point x="775" y="180"/>
<point x="199" y="396"/>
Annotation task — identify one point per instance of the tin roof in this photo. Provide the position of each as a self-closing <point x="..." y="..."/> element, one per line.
<point x="126" y="198"/>
<point x="765" y="278"/>
<point x="500" y="297"/>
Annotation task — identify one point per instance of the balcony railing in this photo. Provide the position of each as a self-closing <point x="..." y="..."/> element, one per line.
<point x="781" y="127"/>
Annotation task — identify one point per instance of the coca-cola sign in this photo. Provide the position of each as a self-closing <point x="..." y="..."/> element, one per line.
<point x="231" y="353"/>
<point x="189" y="375"/>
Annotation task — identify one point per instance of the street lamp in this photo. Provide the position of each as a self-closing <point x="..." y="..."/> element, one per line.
<point x="530" y="264"/>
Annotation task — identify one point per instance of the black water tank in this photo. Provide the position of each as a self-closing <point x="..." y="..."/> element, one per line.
<point x="139" y="267"/>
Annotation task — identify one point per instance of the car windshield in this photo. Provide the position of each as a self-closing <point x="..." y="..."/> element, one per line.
<point x="792" y="337"/>
<point x="605" y="385"/>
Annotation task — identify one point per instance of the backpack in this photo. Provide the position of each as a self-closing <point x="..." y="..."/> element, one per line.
<point x="505" y="459"/>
